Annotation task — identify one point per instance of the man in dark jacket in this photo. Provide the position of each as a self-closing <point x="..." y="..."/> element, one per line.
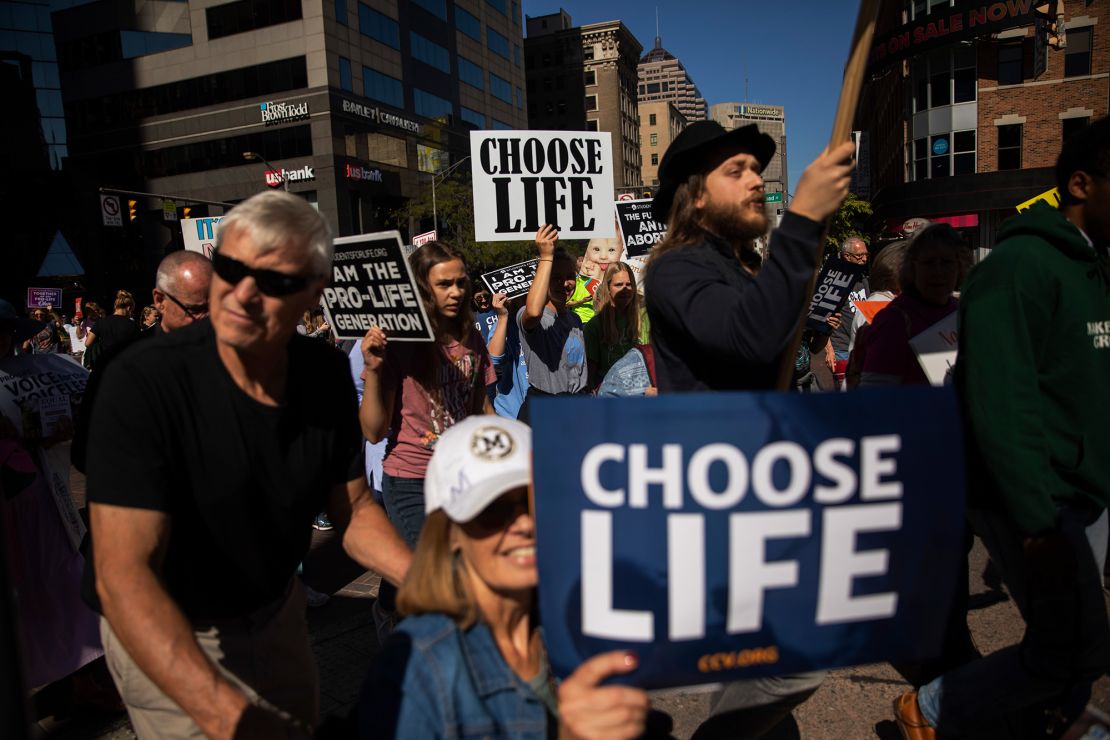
<point x="718" y="325"/>
<point x="715" y="324"/>
<point x="1032" y="373"/>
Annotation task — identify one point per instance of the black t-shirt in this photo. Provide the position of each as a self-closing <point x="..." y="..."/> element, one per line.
<point x="241" y="481"/>
<point x="114" y="330"/>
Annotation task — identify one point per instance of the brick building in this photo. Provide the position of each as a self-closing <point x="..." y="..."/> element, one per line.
<point x="660" y="122"/>
<point x="584" y="79"/>
<point x="968" y="104"/>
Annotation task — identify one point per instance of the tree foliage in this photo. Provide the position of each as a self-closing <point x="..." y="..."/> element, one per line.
<point x="454" y="206"/>
<point x="848" y="221"/>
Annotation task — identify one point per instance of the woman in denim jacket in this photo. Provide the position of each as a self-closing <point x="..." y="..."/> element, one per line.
<point x="468" y="661"/>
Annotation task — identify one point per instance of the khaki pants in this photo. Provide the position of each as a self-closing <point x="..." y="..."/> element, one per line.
<point x="266" y="654"/>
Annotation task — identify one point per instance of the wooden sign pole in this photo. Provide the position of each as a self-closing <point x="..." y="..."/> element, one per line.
<point x="862" y="38"/>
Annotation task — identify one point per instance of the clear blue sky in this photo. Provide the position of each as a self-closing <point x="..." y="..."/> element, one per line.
<point x="792" y="54"/>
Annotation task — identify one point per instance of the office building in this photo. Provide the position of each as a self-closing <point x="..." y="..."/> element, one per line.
<point x="963" y="127"/>
<point x="662" y="77"/>
<point x="771" y="120"/>
<point x="584" y="79"/>
<point x="660" y="122"/>
<point x="352" y="104"/>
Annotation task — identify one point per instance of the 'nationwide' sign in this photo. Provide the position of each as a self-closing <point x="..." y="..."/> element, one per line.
<point x="283" y="112"/>
<point x="274" y="178"/>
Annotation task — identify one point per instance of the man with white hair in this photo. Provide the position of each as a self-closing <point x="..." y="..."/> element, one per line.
<point x="181" y="288"/>
<point x="853" y="251"/>
<point x="212" y="450"/>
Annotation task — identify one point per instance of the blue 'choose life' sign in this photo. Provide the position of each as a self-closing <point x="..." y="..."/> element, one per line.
<point x="730" y="536"/>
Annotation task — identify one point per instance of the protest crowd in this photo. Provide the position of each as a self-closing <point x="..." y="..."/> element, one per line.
<point x="224" y="421"/>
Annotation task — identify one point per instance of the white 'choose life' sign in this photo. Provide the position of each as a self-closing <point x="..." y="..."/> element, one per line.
<point x="524" y="179"/>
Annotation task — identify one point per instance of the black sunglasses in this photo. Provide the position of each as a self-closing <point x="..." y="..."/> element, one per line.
<point x="269" y="282"/>
<point x="195" y="312"/>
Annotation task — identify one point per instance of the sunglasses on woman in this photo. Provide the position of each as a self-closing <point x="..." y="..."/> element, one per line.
<point x="269" y="282"/>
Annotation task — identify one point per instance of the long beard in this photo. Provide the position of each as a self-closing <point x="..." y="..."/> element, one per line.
<point x="733" y="222"/>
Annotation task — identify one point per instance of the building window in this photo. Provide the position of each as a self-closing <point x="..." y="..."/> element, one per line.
<point x="500" y="88"/>
<point x="591" y="102"/>
<point x="497" y="43"/>
<point x="654" y="158"/>
<point x="963" y="153"/>
<point x="1077" y="56"/>
<point x="473" y="117"/>
<point x="591" y="125"/>
<point x="429" y="52"/>
<point x="499" y="6"/>
<point x="963" y="74"/>
<point x="341" y="12"/>
<point x="590" y="78"/>
<point x="516" y="54"/>
<point x="345" y="75"/>
<point x="651" y="120"/>
<point x="1011" y="61"/>
<point x="1073" y="126"/>
<point x="1009" y="147"/>
<point x="381" y="87"/>
<point x="378" y="27"/>
<point x="516" y="12"/>
<point x="247" y="15"/>
<point x="519" y="99"/>
<point x="387" y="150"/>
<point x="655" y="139"/>
<point x="588" y="53"/>
<point x="940" y="161"/>
<point x="430" y="106"/>
<point x="468" y="24"/>
<point x="437" y="8"/>
<point x="944" y="77"/>
<point x="500" y="125"/>
<point x="471" y="73"/>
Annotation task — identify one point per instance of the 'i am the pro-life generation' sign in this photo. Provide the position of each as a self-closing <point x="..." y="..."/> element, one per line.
<point x="514" y="280"/>
<point x="819" y="532"/>
<point x="524" y="179"/>
<point x="372" y="285"/>
<point x="639" y="231"/>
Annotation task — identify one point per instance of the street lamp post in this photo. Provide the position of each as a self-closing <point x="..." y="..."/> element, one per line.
<point x="441" y="176"/>
<point x="256" y="157"/>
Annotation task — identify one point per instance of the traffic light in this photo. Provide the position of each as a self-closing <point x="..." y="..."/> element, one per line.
<point x="133" y="209"/>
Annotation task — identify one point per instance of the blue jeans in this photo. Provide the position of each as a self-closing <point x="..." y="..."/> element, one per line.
<point x="403" y="499"/>
<point x="404" y="505"/>
<point x="1067" y="639"/>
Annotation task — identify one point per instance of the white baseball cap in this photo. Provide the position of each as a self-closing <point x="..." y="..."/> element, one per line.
<point x="476" y="461"/>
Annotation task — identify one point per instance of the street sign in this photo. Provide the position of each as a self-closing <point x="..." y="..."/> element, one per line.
<point x="169" y="210"/>
<point x="109" y="210"/>
<point x="773" y="198"/>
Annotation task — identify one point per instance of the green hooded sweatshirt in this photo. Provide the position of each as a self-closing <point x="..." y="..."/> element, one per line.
<point x="1034" y="370"/>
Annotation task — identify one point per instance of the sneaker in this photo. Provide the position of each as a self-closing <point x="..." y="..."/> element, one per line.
<point x="313" y="597"/>
<point x="911" y="722"/>
<point x="322" y="522"/>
